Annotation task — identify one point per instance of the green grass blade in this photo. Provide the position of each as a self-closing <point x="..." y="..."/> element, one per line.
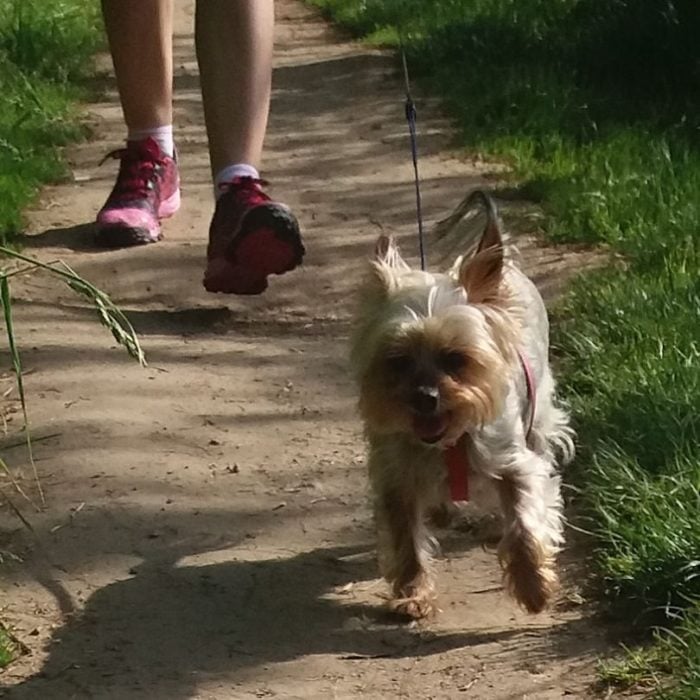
<point x="15" y="484"/>
<point x="109" y="314"/>
<point x="6" y="301"/>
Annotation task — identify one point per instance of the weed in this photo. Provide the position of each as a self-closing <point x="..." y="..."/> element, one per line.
<point x="108" y="314"/>
<point x="9" y="649"/>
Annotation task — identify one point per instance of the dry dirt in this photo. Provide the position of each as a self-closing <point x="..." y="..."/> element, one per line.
<point x="207" y="532"/>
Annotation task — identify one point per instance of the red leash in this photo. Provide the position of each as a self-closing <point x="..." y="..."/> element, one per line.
<point x="456" y="459"/>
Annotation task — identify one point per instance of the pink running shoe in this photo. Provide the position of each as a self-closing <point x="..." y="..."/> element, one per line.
<point x="147" y="190"/>
<point x="250" y="238"/>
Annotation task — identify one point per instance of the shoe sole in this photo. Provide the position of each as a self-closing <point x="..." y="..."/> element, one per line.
<point x="268" y="243"/>
<point x="120" y="236"/>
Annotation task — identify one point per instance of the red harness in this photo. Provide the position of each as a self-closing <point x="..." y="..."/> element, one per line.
<point x="456" y="458"/>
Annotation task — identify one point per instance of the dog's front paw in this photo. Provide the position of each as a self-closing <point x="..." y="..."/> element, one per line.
<point x="534" y="590"/>
<point x="414" y="600"/>
<point x="528" y="571"/>
<point x="415" y="607"/>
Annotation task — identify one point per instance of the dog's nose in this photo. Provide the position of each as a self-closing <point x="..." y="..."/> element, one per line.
<point x="426" y="400"/>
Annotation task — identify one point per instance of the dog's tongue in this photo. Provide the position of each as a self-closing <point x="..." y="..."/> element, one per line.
<point x="429" y="428"/>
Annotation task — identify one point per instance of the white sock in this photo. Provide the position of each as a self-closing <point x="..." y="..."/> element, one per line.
<point x="162" y="135"/>
<point x="227" y="174"/>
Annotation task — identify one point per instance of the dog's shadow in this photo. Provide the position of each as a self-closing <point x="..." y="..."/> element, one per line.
<point x="161" y="631"/>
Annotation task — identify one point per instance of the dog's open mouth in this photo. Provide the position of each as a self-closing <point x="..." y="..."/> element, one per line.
<point x="430" y="429"/>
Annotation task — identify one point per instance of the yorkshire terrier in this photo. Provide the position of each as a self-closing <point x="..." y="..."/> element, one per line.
<point x="456" y="391"/>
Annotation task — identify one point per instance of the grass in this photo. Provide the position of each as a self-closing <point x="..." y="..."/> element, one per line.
<point x="45" y="52"/>
<point x="9" y="649"/>
<point x="594" y="104"/>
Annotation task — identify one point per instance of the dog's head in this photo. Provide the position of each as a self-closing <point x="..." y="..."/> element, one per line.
<point x="432" y="352"/>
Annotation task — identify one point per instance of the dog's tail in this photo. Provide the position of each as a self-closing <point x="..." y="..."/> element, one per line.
<point x="460" y="234"/>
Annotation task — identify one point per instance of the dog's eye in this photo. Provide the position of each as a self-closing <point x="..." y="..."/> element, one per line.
<point x="452" y="362"/>
<point x="398" y="363"/>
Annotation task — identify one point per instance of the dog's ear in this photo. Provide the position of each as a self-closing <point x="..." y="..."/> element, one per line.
<point x="383" y="245"/>
<point x="492" y="237"/>
<point x="387" y="252"/>
<point x="481" y="274"/>
<point x="387" y="262"/>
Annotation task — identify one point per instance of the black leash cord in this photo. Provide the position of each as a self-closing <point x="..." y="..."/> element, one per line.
<point x="411" y="118"/>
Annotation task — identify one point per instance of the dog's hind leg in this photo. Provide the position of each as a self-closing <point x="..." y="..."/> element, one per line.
<point x="405" y="553"/>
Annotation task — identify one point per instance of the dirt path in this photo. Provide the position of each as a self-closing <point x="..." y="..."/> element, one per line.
<point x="207" y="532"/>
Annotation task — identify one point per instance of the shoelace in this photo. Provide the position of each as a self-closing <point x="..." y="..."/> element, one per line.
<point x="137" y="175"/>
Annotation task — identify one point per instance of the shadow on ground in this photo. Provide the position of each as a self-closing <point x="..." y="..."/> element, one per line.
<point x="228" y="619"/>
